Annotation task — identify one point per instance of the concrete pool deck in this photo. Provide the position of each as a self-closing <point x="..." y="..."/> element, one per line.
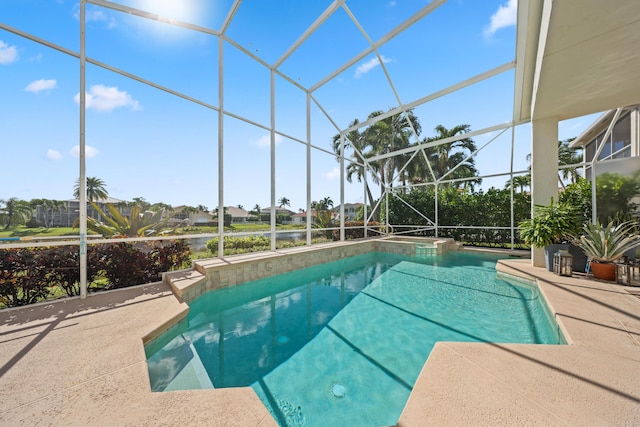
<point x="82" y="362"/>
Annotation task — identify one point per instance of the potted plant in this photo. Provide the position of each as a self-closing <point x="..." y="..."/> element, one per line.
<point x="604" y="244"/>
<point x="550" y="228"/>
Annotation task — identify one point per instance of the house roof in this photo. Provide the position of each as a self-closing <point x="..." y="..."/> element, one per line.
<point x="236" y="212"/>
<point x="597" y="127"/>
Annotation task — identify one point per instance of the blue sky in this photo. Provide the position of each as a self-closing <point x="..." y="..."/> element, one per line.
<point x="144" y="142"/>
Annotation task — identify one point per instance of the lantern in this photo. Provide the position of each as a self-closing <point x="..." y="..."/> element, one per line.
<point x="563" y="263"/>
<point x="628" y="273"/>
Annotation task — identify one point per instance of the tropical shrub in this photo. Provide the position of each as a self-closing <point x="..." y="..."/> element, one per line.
<point x="240" y="245"/>
<point x="139" y="223"/>
<point x="27" y="275"/>
<point x="551" y="224"/>
<point x="22" y="276"/>
<point x="461" y="209"/>
<point x="615" y="195"/>
<point x="578" y="195"/>
<point x="608" y="243"/>
<point x="355" y="233"/>
<point x="125" y="264"/>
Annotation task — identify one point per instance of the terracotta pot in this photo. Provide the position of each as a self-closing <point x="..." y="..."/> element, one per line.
<point x="603" y="271"/>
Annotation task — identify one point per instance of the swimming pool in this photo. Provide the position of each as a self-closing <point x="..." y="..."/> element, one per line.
<point x="342" y="343"/>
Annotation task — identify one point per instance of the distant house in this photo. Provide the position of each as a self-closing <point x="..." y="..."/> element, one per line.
<point x="279" y="211"/>
<point x="350" y="211"/>
<point x="70" y="212"/>
<point x="193" y="218"/>
<point x="238" y="214"/>
<point x="301" y="217"/>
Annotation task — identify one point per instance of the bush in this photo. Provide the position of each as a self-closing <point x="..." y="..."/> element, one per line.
<point x="27" y="275"/>
<point x="126" y="265"/>
<point x="22" y="276"/>
<point x="240" y="245"/>
<point x="355" y="233"/>
<point x="490" y="209"/>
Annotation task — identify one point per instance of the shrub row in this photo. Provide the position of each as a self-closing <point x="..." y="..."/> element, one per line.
<point x="27" y="275"/>
<point x="481" y="209"/>
<point x="356" y="233"/>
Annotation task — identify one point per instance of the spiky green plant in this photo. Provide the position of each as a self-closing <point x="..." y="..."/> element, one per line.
<point x="607" y="243"/>
<point x="137" y="224"/>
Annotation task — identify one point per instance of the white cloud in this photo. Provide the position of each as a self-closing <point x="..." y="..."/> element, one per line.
<point x="368" y="66"/>
<point x="104" y="98"/>
<point x="53" y="154"/>
<point x="333" y="174"/>
<point x="88" y="151"/>
<point x="265" y="141"/>
<point x="94" y="14"/>
<point x="40" y="85"/>
<point x="8" y="54"/>
<point x="504" y="17"/>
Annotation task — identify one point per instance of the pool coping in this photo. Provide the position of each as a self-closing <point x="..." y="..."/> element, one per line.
<point x="589" y="381"/>
<point x="102" y="377"/>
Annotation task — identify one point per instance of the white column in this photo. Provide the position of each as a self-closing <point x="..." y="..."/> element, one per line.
<point x="544" y="170"/>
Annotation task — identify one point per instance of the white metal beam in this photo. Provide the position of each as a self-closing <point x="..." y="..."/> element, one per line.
<point x="83" y="174"/>
<point x="312" y="28"/>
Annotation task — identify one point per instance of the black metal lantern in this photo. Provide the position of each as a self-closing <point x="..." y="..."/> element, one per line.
<point x="628" y="273"/>
<point x="563" y="263"/>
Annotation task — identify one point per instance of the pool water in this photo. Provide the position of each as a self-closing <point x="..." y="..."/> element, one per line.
<point x="343" y="343"/>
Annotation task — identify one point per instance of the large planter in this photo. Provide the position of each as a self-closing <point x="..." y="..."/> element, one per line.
<point x="550" y="250"/>
<point x="579" y="258"/>
<point x="603" y="271"/>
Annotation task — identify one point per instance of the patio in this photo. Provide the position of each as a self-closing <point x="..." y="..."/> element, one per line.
<point x="81" y="362"/>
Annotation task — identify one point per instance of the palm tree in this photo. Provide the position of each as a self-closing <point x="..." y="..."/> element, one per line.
<point x="203" y="208"/>
<point x="519" y="182"/>
<point x="15" y="210"/>
<point x="283" y="201"/>
<point x="450" y="158"/>
<point x="49" y="209"/>
<point x="568" y="156"/>
<point x="384" y="136"/>
<point x="141" y="202"/>
<point x="256" y="211"/>
<point x="96" y="189"/>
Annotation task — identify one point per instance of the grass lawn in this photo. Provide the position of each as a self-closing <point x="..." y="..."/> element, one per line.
<point x="22" y="231"/>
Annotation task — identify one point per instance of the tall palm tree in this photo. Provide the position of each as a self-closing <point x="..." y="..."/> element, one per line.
<point x="450" y="157"/>
<point x="283" y="201"/>
<point x="15" y="210"/>
<point x="256" y="211"/>
<point x="568" y="156"/>
<point x="96" y="189"/>
<point x="519" y="182"/>
<point x="384" y="136"/>
<point x="141" y="202"/>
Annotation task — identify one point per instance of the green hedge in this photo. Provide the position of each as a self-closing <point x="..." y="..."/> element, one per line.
<point x="490" y="209"/>
<point x="28" y="275"/>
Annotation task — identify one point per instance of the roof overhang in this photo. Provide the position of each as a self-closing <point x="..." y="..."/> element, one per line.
<point x="576" y="57"/>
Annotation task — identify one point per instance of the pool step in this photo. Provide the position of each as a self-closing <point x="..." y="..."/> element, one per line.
<point x="426" y="250"/>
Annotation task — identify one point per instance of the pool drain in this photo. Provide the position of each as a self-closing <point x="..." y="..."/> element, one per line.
<point x="283" y="339"/>
<point x="338" y="390"/>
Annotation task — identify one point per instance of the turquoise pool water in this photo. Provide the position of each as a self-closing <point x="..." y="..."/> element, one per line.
<point x="343" y="343"/>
